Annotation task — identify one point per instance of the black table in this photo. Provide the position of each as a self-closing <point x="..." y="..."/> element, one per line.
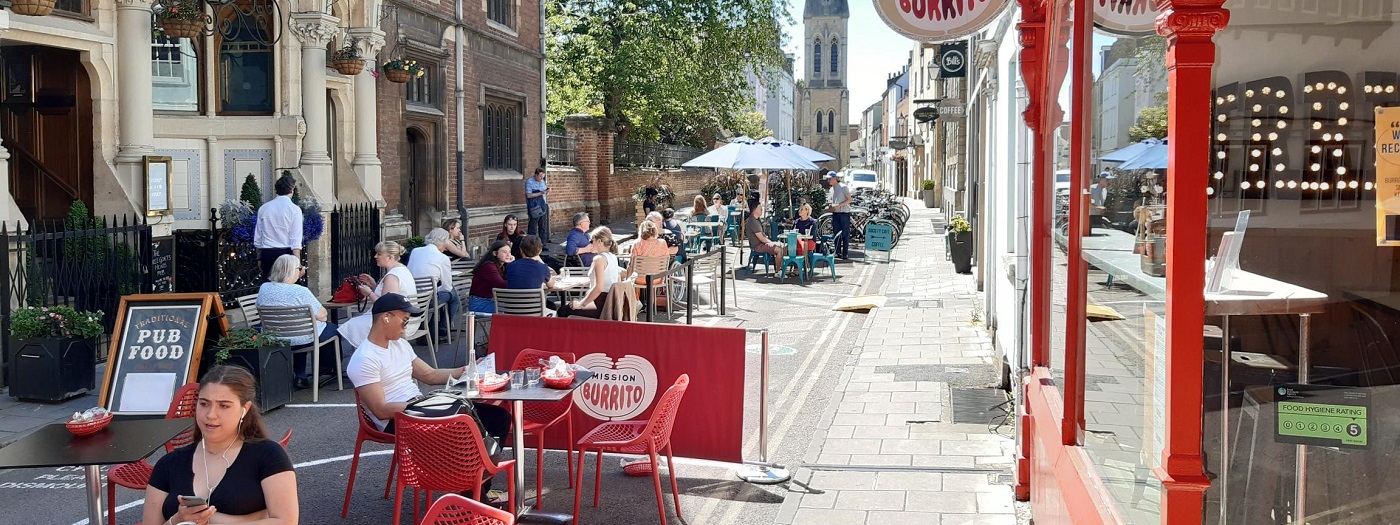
<point x="123" y="441"/>
<point x="517" y="397"/>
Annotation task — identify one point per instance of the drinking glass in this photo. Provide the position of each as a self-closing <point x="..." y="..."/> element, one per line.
<point x="532" y="375"/>
<point x="517" y="378"/>
<point x="473" y="386"/>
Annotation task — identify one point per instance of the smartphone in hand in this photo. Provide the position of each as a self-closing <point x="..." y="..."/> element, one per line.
<point x="193" y="501"/>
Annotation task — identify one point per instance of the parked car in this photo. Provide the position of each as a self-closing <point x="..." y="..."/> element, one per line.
<point x="858" y="179"/>
<point x="1061" y="182"/>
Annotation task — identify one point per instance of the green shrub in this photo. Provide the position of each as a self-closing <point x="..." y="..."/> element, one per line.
<point x="243" y="339"/>
<point x="58" y="321"/>
<point x="928" y="185"/>
<point x="959" y="224"/>
<point x="251" y="193"/>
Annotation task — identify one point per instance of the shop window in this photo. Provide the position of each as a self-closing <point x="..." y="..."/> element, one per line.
<point x="174" y="75"/>
<point x="245" y="73"/>
<point x="501" y="12"/>
<point x="501" y="132"/>
<point x="72" y="7"/>
<point x="817" y="58"/>
<point x="422" y="90"/>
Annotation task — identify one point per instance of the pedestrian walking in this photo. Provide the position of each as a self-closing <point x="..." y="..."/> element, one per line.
<point x="537" y="203"/>
<point x="840" y="214"/>
<point x="278" y="230"/>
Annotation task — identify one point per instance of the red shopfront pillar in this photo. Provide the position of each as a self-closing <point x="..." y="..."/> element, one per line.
<point x="1189" y="26"/>
<point x="1031" y="29"/>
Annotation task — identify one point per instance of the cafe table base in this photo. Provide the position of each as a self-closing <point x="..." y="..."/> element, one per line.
<point x="92" y="475"/>
<point x="524" y="513"/>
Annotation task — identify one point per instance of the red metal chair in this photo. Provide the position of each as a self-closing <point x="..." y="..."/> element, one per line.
<point x="286" y="439"/>
<point x="135" y="475"/>
<point x="443" y="454"/>
<point x="368" y="432"/>
<point x="636" y="437"/>
<point x="539" y="416"/>
<point x="453" y="509"/>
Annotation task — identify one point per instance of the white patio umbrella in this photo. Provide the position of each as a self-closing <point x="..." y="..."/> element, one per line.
<point x="1131" y="151"/>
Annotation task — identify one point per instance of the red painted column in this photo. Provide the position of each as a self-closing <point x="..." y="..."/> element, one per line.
<point x="1031" y="29"/>
<point x="1189" y="26"/>
<point x="1081" y="115"/>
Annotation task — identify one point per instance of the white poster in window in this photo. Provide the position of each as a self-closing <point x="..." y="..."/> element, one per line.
<point x="1387" y="176"/>
<point x="157" y="185"/>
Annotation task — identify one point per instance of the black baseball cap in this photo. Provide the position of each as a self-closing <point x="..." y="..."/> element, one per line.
<point x="392" y="302"/>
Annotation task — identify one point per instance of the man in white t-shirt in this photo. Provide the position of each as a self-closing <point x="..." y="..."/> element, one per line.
<point x="429" y="260"/>
<point x="384" y="368"/>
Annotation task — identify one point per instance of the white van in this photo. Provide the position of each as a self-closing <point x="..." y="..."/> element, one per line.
<point x="856" y="179"/>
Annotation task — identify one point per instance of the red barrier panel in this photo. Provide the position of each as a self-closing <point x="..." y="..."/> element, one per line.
<point x="633" y="364"/>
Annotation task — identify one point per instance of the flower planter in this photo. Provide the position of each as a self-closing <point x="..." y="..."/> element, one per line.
<point x="397" y="76"/>
<point x="175" y="28"/>
<point x="51" y="368"/>
<point x="270" y="365"/>
<point x="928" y="199"/>
<point x="32" y="7"/>
<point x="348" y="66"/>
<point x="960" y="251"/>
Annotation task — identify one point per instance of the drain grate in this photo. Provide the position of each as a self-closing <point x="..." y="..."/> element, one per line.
<point x="978" y="405"/>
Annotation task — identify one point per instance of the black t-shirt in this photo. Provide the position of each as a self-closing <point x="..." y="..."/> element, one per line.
<point x="239" y="493"/>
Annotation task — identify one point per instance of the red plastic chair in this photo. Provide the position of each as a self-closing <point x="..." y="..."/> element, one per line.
<point x="443" y="454"/>
<point x="539" y="416"/>
<point x="454" y="509"/>
<point x="636" y="437"/>
<point x="136" y="475"/>
<point x="286" y="439"/>
<point x="368" y="432"/>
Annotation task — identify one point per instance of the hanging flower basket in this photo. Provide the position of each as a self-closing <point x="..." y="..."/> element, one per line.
<point x="32" y="7"/>
<point x="177" y="28"/>
<point x="348" y="66"/>
<point x="400" y="70"/>
<point x="397" y="76"/>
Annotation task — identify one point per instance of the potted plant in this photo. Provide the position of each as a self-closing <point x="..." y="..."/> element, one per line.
<point x="960" y="244"/>
<point x="32" y="7"/>
<point x="180" y="18"/>
<point x="928" y="195"/>
<point x="347" y="60"/>
<point x="268" y="358"/>
<point x="400" y="70"/>
<point x="52" y="352"/>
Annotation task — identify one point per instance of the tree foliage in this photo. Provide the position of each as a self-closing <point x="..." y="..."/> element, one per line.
<point x="660" y="69"/>
<point x="1151" y="124"/>
<point x="250" y="192"/>
<point x="752" y="124"/>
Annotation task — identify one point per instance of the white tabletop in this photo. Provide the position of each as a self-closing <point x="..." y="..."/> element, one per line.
<point x="1253" y="294"/>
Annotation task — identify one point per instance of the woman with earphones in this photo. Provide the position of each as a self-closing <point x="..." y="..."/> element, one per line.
<point x="232" y="472"/>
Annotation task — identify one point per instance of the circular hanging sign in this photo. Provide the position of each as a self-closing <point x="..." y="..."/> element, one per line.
<point x="1126" y="17"/>
<point x="938" y="20"/>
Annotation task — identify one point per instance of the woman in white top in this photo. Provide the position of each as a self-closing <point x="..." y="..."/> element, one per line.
<point x="603" y="273"/>
<point x="397" y="279"/>
<point x="718" y="209"/>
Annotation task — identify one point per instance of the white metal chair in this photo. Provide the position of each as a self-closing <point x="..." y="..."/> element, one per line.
<point x="248" y="304"/>
<point x="520" y="302"/>
<point x="431" y="283"/>
<point x="288" y="322"/>
<point x="420" y="325"/>
<point x="573" y="271"/>
<point x="659" y="268"/>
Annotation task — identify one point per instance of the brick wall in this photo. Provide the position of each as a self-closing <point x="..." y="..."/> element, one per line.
<point x="605" y="191"/>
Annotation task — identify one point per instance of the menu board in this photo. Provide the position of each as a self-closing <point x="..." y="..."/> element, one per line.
<point x="1387" y="176"/>
<point x="155" y="349"/>
<point x="162" y="265"/>
<point x="879" y="237"/>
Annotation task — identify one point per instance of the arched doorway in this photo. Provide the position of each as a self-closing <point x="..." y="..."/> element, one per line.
<point x="416" y="172"/>
<point x="47" y="128"/>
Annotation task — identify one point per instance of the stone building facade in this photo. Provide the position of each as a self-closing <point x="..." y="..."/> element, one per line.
<point x="825" y="101"/>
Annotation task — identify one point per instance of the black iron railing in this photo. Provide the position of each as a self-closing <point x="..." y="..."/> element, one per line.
<point x="88" y="266"/>
<point x="354" y="232"/>
<point x="559" y="148"/>
<point x="644" y="155"/>
<point x="213" y="261"/>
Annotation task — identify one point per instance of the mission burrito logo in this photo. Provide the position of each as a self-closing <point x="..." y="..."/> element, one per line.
<point x="938" y="20"/>
<point x="1126" y="17"/>
<point x="619" y="390"/>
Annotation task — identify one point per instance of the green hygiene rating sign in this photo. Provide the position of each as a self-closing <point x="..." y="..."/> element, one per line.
<point x="1322" y="415"/>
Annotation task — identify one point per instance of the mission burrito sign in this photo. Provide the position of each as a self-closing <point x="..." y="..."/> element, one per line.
<point x="1126" y="17"/>
<point x="938" y="20"/>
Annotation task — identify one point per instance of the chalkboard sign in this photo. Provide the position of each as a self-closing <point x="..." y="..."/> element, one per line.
<point x="162" y="265"/>
<point x="155" y="349"/>
<point x="879" y="237"/>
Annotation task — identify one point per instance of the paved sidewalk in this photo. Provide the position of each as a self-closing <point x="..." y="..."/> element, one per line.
<point x="889" y="450"/>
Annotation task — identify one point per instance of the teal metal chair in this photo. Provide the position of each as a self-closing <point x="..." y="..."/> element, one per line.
<point x="731" y="228"/>
<point x="828" y="255"/>
<point x="793" y="259"/>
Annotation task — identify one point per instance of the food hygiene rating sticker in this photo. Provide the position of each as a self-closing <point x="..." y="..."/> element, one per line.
<point x="1321" y="415"/>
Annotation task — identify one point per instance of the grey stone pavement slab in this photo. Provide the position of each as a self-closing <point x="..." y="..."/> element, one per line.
<point x="888" y="451"/>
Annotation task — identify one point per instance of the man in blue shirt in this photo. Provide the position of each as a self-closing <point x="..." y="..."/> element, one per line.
<point x="537" y="206"/>
<point x="578" y="243"/>
<point x="528" y="272"/>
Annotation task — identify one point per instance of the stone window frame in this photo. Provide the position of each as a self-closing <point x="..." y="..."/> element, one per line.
<point x="507" y="21"/>
<point x="510" y="164"/>
<point x="217" y="76"/>
<point x="817" y="57"/>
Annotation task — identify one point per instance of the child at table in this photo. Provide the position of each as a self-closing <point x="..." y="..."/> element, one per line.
<point x="806" y="225"/>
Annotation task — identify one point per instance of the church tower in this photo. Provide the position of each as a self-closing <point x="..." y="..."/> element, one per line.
<point x="825" y="101"/>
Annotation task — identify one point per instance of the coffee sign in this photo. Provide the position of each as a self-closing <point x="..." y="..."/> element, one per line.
<point x="938" y="20"/>
<point x="1126" y="17"/>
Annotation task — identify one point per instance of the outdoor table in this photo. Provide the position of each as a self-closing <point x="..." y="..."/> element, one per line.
<point x="565" y="284"/>
<point x="123" y="441"/>
<point x="517" y="398"/>
<point x="334" y="308"/>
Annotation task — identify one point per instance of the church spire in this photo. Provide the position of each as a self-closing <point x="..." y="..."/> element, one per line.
<point x="817" y="8"/>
